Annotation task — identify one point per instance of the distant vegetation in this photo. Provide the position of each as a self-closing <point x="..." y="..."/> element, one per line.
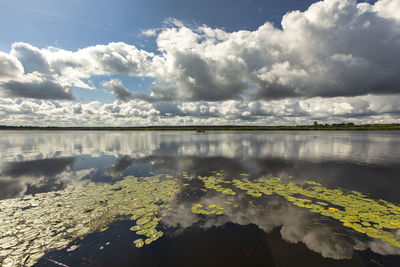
<point x="315" y="126"/>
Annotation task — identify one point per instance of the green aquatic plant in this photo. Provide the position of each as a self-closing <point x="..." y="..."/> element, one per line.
<point x="187" y="176"/>
<point x="210" y="209"/>
<point x="374" y="218"/>
<point x="228" y="191"/>
<point x="214" y="182"/>
<point x="32" y="225"/>
<point x="138" y="243"/>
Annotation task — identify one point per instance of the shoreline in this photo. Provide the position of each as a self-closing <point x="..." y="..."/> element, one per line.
<point x="336" y="127"/>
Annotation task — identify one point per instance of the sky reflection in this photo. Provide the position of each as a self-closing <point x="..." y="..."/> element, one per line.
<point x="368" y="162"/>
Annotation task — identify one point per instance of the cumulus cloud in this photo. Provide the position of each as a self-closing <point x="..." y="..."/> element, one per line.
<point x="138" y="112"/>
<point x="118" y="89"/>
<point x="10" y="67"/>
<point x="30" y="57"/>
<point x="328" y="50"/>
<point x="337" y="59"/>
<point x="36" y="85"/>
<point x="49" y="73"/>
<point x="388" y="9"/>
<point x="25" y="73"/>
<point x="113" y="58"/>
<point x="334" y="48"/>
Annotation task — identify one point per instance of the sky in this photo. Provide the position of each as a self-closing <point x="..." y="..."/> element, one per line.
<point x="180" y="62"/>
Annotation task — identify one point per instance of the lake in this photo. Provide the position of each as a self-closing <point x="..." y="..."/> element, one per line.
<point x="181" y="198"/>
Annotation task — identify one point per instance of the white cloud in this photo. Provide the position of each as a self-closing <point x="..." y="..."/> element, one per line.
<point x="118" y="89"/>
<point x="10" y="67"/>
<point x="114" y="58"/>
<point x="36" y="85"/>
<point x="149" y="32"/>
<point x="137" y="112"/>
<point x="60" y="69"/>
<point x="328" y="50"/>
<point x="388" y="9"/>
<point x="334" y="50"/>
<point x="30" y="57"/>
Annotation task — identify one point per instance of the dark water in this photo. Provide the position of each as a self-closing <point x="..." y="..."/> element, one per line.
<point x="272" y="233"/>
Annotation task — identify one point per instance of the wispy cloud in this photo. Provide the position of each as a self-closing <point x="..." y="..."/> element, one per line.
<point x="150" y="32"/>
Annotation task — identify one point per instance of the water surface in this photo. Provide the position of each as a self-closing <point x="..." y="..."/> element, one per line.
<point x="260" y="231"/>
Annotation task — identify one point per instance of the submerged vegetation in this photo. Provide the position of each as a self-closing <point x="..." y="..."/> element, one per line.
<point x="33" y="225"/>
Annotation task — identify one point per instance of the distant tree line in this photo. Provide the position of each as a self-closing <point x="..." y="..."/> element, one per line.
<point x="202" y="128"/>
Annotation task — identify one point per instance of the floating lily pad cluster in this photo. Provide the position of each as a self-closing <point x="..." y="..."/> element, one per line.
<point x="186" y="175"/>
<point x="375" y="218"/>
<point x="33" y="225"/>
<point x="212" y="182"/>
<point x="207" y="210"/>
<point x="146" y="224"/>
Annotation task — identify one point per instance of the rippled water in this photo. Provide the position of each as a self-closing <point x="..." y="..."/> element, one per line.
<point x="265" y="231"/>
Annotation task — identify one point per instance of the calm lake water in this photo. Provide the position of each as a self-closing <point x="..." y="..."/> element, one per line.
<point x="252" y="229"/>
